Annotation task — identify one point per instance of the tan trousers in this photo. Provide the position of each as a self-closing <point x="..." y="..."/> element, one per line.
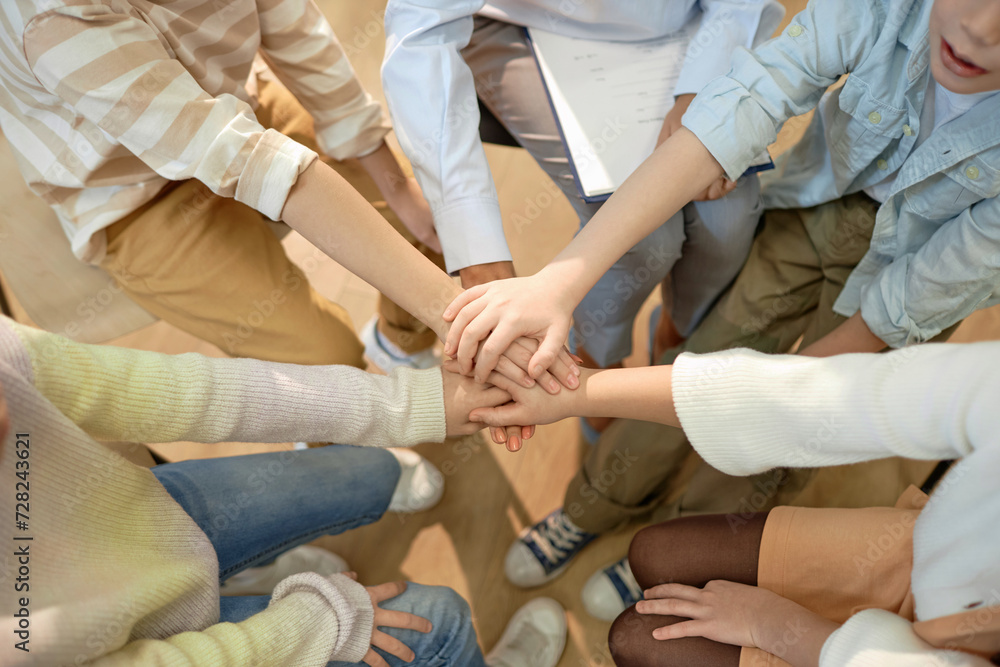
<point x="797" y="267"/>
<point x="214" y="268"/>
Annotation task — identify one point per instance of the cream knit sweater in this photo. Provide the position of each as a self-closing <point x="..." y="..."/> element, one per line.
<point x="117" y="573"/>
<point x="746" y="412"/>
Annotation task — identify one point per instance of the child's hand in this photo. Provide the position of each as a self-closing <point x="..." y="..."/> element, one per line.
<point x="405" y="198"/>
<point x="387" y="618"/>
<point x="462" y="395"/>
<point x="499" y="313"/>
<point x="741" y="615"/>
<point x="529" y="405"/>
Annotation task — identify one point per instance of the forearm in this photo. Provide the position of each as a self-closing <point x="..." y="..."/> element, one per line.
<point x="325" y="209"/>
<point x="793" y="633"/>
<point x="384" y="169"/>
<point x="676" y="172"/>
<point x="627" y="393"/>
<point x="850" y="337"/>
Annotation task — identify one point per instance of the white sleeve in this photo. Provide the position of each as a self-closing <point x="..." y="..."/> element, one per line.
<point x="432" y="101"/>
<point x="746" y="412"/>
<point x="725" y="25"/>
<point x="878" y="638"/>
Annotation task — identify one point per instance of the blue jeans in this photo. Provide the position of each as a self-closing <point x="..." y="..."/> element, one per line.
<point x="255" y="507"/>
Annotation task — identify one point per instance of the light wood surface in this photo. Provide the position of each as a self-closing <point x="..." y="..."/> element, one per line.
<point x="490" y="494"/>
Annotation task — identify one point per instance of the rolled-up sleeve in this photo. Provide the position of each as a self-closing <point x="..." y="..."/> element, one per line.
<point x="725" y="25"/>
<point x="738" y="116"/>
<point x="112" y="69"/>
<point x="302" y="50"/>
<point x="956" y="272"/>
<point x="432" y="100"/>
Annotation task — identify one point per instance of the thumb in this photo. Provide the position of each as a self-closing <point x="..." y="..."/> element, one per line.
<point x="505" y="415"/>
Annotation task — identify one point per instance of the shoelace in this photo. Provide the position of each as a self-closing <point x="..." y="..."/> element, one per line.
<point x="621" y="576"/>
<point x="556" y="537"/>
<point x="526" y="647"/>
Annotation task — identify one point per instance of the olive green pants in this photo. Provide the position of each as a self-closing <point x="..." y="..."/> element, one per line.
<point x="797" y="267"/>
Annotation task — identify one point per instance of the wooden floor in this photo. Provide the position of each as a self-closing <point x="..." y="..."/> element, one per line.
<point x="490" y="494"/>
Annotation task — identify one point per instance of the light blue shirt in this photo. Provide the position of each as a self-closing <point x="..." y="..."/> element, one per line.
<point x="432" y="99"/>
<point x="935" y="251"/>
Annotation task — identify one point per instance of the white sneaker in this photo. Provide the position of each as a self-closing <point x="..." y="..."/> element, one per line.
<point x="543" y="551"/>
<point x="535" y="637"/>
<point x="420" y="484"/>
<point x="610" y="591"/>
<point x="387" y="355"/>
<point x="262" y="580"/>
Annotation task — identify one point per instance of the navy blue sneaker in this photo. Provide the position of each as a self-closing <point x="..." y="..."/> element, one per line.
<point x="610" y="591"/>
<point x="543" y="551"/>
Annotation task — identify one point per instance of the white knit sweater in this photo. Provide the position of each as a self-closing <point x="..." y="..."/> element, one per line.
<point x="747" y="412"/>
<point x="119" y="574"/>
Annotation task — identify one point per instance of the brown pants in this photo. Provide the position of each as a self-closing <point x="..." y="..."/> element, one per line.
<point x="797" y="267"/>
<point x="214" y="268"/>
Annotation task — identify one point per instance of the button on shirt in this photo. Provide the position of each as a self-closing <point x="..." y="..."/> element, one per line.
<point x="428" y="87"/>
<point x="935" y="250"/>
<point x="940" y="106"/>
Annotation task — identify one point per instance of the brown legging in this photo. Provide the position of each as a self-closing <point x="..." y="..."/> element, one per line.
<point x="692" y="551"/>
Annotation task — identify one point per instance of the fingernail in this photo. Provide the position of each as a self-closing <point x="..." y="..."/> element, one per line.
<point x="515" y="443"/>
<point x="502" y="435"/>
<point x="529" y="382"/>
<point x="554" y="386"/>
<point x="572" y="382"/>
<point x="575" y="370"/>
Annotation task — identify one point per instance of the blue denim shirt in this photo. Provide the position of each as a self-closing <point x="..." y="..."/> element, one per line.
<point x="935" y="252"/>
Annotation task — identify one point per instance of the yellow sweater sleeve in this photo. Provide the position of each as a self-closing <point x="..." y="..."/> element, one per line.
<point x="302" y="628"/>
<point x="121" y="394"/>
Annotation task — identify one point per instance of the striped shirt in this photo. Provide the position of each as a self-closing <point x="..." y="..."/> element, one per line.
<point x="104" y="102"/>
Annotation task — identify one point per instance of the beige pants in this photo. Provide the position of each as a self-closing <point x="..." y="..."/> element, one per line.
<point x="837" y="562"/>
<point x="213" y="267"/>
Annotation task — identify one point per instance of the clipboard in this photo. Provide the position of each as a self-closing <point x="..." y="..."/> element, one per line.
<point x="609" y="100"/>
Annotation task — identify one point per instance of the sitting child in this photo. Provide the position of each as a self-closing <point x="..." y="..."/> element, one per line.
<point x="122" y="565"/>
<point x="885" y="587"/>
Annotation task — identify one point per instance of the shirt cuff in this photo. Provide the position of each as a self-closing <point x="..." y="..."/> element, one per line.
<point x="883" y="308"/>
<point x="270" y="172"/>
<point x="348" y="601"/>
<point x="471" y="233"/>
<point x="722" y="111"/>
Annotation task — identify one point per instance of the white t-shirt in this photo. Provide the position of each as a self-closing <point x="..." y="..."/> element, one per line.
<point x="940" y="106"/>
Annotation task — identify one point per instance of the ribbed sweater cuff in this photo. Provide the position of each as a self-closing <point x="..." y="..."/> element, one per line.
<point x="426" y="418"/>
<point x="873" y="638"/>
<point x="714" y="398"/>
<point x="349" y="603"/>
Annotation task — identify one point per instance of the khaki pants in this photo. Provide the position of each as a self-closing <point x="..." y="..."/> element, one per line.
<point x="214" y="268"/>
<point x="797" y="267"/>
